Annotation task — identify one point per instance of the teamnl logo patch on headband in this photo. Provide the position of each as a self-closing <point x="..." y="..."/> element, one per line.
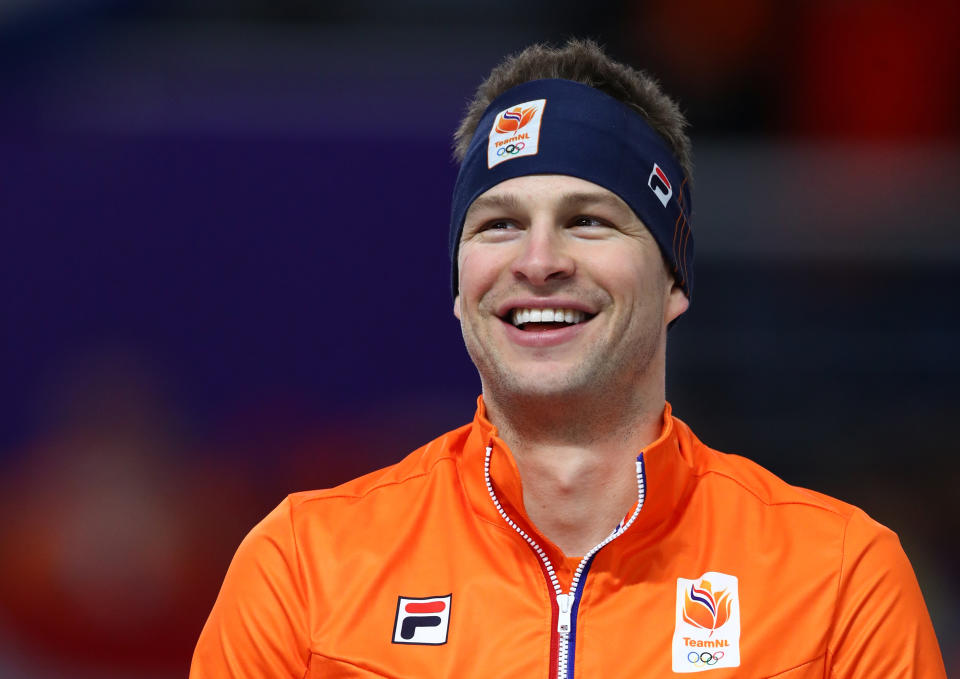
<point x="515" y="132"/>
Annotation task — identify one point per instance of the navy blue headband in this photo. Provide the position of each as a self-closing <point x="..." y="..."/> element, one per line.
<point x="565" y="127"/>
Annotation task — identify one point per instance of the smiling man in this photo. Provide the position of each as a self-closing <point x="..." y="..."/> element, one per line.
<point x="564" y="299"/>
<point x="575" y="528"/>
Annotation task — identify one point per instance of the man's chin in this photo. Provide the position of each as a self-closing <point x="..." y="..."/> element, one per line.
<point x="537" y="385"/>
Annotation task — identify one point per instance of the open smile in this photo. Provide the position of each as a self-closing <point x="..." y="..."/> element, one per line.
<point x="537" y="320"/>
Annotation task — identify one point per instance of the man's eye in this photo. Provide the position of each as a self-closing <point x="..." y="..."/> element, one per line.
<point x="586" y="220"/>
<point x="497" y="227"/>
<point x="486" y="229"/>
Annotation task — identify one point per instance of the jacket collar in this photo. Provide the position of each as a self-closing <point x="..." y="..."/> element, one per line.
<point x="668" y="465"/>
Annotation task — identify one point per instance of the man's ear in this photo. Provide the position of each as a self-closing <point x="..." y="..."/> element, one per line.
<point x="677" y="302"/>
<point x="456" y="307"/>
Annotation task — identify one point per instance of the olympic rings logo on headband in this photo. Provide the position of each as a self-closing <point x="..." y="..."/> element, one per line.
<point x="511" y="148"/>
<point x="704" y="658"/>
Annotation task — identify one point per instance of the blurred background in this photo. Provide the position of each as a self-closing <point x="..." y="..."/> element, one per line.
<point x="223" y="274"/>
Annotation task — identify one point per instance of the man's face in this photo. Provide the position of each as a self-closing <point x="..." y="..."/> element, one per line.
<point x="562" y="289"/>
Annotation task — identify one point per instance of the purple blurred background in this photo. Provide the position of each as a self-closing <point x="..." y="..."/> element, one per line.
<point x="224" y="274"/>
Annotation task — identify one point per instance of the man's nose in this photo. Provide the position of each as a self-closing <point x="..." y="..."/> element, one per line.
<point x="544" y="256"/>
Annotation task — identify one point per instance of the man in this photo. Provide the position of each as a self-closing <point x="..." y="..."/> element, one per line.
<point x="576" y="527"/>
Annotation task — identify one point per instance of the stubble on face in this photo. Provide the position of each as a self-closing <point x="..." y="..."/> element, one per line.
<point x="549" y="239"/>
<point x="595" y="387"/>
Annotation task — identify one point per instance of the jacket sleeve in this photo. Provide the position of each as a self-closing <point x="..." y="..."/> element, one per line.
<point x="259" y="624"/>
<point x="882" y="629"/>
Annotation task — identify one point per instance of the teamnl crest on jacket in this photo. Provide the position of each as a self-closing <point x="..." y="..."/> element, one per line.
<point x="707" y="631"/>
<point x="515" y="132"/>
<point x="422" y="620"/>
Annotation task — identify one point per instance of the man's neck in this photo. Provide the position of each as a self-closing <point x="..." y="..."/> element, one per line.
<point x="577" y="462"/>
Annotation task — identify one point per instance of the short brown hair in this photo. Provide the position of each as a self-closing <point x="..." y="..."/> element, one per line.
<point x="582" y="61"/>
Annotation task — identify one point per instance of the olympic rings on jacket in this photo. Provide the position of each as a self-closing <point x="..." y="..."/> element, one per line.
<point x="704" y="658"/>
<point x="511" y="148"/>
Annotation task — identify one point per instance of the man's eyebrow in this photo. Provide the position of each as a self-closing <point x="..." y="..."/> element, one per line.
<point x="502" y="201"/>
<point x="569" y="201"/>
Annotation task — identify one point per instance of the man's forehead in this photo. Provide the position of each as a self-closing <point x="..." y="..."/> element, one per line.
<point x="560" y="191"/>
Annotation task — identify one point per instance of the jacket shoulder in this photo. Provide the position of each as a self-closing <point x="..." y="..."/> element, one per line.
<point x="758" y="481"/>
<point x="419" y="464"/>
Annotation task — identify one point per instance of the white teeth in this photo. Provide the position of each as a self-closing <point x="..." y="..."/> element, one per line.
<point x="572" y="316"/>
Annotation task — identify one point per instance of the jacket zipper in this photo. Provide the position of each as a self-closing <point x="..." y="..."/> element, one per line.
<point x="569" y="602"/>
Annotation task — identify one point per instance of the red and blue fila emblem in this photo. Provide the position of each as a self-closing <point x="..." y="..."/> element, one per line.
<point x="422" y="620"/>
<point x="660" y="185"/>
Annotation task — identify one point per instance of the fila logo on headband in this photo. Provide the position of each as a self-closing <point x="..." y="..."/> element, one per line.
<point x="660" y="184"/>
<point x="515" y="132"/>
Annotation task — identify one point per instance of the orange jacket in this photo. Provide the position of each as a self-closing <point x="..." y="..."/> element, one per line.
<point x="412" y="571"/>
